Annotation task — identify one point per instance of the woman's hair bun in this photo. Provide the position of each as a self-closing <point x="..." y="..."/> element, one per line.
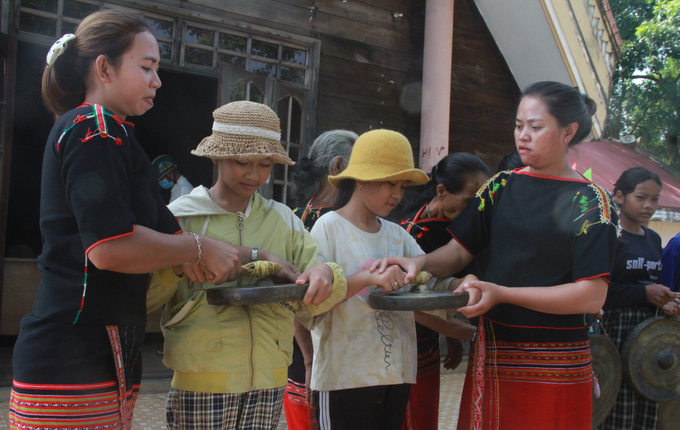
<point x="305" y="164"/>
<point x="590" y="104"/>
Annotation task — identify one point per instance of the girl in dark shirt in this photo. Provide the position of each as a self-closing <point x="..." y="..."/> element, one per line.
<point x="634" y="294"/>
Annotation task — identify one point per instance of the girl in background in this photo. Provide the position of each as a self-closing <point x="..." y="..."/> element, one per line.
<point x="454" y="182"/>
<point x="635" y="294"/>
<point x="77" y="360"/>
<point x="551" y="236"/>
<point x="328" y="155"/>
<point x="364" y="360"/>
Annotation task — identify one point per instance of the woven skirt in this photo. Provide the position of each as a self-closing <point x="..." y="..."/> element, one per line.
<point x="526" y="385"/>
<point x="75" y="376"/>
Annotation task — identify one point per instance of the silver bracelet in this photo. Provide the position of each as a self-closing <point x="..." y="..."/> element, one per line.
<point x="198" y="243"/>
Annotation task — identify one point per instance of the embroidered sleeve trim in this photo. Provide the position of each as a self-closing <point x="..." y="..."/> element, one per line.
<point x="109" y="239"/>
<point x="99" y="114"/>
<point x="601" y="275"/>
<point x="461" y="244"/>
<point x="603" y="205"/>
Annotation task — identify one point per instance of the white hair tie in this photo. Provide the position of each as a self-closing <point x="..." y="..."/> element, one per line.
<point x="58" y="48"/>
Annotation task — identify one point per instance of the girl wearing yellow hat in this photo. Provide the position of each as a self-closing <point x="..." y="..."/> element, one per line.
<point x="364" y="360"/>
<point x="230" y="362"/>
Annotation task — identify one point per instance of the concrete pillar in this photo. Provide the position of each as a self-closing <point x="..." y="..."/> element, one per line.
<point x="434" y="122"/>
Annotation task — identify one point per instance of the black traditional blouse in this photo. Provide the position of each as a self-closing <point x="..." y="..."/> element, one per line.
<point x="540" y="231"/>
<point x="97" y="185"/>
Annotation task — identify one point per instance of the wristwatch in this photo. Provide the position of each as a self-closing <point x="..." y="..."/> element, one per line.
<point x="253" y="254"/>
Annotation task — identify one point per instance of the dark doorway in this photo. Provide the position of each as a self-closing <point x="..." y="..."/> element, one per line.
<point x="32" y="124"/>
<point x="180" y="119"/>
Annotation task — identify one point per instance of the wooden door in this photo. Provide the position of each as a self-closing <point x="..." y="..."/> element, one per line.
<point x="291" y="104"/>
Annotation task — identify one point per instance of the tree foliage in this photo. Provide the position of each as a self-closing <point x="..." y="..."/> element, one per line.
<point x="645" y="99"/>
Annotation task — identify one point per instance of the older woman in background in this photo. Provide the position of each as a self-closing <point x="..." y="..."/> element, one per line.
<point x="454" y="182"/>
<point x="311" y="190"/>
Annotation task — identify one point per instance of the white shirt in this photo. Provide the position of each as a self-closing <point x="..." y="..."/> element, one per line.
<point x="354" y="345"/>
<point x="181" y="187"/>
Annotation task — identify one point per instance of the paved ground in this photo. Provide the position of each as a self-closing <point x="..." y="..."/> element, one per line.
<point x="150" y="408"/>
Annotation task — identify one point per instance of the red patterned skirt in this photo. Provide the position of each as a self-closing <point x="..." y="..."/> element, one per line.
<point x="70" y="376"/>
<point x="526" y="385"/>
<point x="422" y="411"/>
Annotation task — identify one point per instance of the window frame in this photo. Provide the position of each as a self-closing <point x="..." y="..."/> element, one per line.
<point x="218" y="21"/>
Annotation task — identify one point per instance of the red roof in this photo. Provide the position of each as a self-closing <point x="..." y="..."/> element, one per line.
<point x="609" y="159"/>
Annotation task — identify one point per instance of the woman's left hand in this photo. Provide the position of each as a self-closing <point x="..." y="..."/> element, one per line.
<point x="320" y="278"/>
<point x="483" y="297"/>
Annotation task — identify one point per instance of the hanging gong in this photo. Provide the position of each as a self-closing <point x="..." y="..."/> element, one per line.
<point x="651" y="358"/>
<point x="607" y="369"/>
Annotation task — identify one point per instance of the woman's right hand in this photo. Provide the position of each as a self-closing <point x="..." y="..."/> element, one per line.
<point x="389" y="279"/>
<point x="220" y="262"/>
<point x="659" y="295"/>
<point x="412" y="266"/>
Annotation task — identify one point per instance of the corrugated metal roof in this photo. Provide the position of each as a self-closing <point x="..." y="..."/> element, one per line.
<point x="609" y="159"/>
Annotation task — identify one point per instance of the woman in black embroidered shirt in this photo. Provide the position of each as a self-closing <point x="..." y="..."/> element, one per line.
<point x="77" y="361"/>
<point x="551" y="237"/>
<point x="634" y="294"/>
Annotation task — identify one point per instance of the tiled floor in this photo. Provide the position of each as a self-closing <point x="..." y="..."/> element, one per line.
<point x="150" y="408"/>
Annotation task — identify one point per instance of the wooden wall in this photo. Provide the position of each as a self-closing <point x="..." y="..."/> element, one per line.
<point x="484" y="94"/>
<point x="372" y="49"/>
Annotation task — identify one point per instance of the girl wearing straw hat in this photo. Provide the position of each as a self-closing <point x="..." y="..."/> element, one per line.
<point x="364" y="360"/>
<point x="231" y="362"/>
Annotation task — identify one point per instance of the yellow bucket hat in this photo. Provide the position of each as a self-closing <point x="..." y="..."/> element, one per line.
<point x="381" y="155"/>
<point x="244" y="131"/>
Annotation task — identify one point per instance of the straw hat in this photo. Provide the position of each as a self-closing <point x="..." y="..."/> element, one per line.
<point x="244" y="131"/>
<point x="381" y="155"/>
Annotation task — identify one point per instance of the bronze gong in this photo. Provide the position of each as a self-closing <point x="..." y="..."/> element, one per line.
<point x="418" y="299"/>
<point x="607" y="369"/>
<point x="651" y="358"/>
<point x="264" y="291"/>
